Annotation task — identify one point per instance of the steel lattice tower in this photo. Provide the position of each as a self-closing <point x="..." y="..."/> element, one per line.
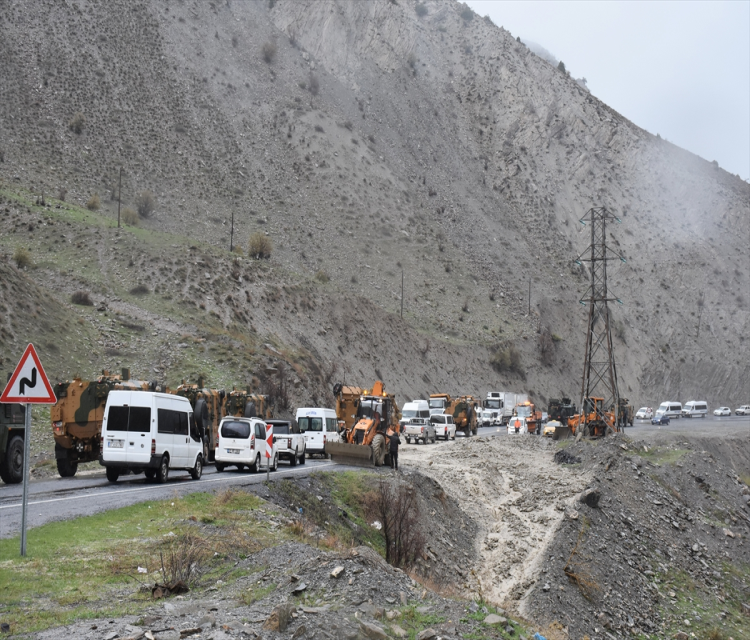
<point x="599" y="370"/>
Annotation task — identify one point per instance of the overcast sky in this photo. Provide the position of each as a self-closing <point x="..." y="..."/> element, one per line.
<point x="678" y="68"/>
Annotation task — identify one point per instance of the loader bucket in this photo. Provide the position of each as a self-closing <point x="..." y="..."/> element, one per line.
<point x="562" y="433"/>
<point x="358" y="455"/>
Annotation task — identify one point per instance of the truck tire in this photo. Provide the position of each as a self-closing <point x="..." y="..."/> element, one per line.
<point x="112" y="474"/>
<point x="378" y="449"/>
<point x="66" y="467"/>
<point x="11" y="468"/>
<point x="302" y="459"/>
<point x="201" y="415"/>
<point x="250" y="411"/>
<point x="163" y="472"/>
<point x="293" y="460"/>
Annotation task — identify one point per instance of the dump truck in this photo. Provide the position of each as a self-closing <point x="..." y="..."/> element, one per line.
<point x="463" y="409"/>
<point x="593" y="421"/>
<point x="12" y="434"/>
<point x="78" y="413"/>
<point x="533" y="417"/>
<point x="364" y="443"/>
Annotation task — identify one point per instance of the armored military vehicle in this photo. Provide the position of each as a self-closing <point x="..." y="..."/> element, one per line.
<point x="12" y="430"/>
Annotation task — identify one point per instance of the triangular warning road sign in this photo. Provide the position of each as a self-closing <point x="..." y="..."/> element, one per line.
<point x="29" y="382"/>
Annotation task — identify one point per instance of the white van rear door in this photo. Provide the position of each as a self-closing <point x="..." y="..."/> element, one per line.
<point x="115" y="432"/>
<point x="312" y="427"/>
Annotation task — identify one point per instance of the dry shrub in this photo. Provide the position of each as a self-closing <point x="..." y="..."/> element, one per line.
<point x="139" y="290"/>
<point x="578" y="569"/>
<point x="94" y="203"/>
<point x="130" y="216"/>
<point x="322" y="276"/>
<point x="62" y="194"/>
<point x="145" y="204"/>
<point x="76" y="123"/>
<point x="274" y="386"/>
<point x="269" y="51"/>
<point x="22" y="257"/>
<point x="397" y="509"/>
<point x="546" y="346"/>
<point x="183" y="559"/>
<point x="225" y="497"/>
<point x="82" y="298"/>
<point x="259" y="246"/>
<point x="507" y="360"/>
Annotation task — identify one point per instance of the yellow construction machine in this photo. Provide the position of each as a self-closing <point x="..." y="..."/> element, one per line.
<point x="364" y="417"/>
<point x="463" y="409"/>
<point x="593" y="421"/>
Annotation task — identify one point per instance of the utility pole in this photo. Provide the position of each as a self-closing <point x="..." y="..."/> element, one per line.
<point x="529" y="297"/>
<point x="231" y="235"/>
<point x="119" y="194"/>
<point x="402" y="293"/>
<point x="599" y="370"/>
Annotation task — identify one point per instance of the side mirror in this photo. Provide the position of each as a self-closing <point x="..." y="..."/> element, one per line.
<point x="274" y="439"/>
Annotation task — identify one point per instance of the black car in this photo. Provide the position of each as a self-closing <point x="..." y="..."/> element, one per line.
<point x="660" y="419"/>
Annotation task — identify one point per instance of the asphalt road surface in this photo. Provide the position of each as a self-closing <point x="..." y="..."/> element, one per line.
<point x="54" y="499"/>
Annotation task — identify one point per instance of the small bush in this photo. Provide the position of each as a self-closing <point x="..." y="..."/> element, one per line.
<point x="22" y="257"/>
<point x="467" y="14"/>
<point x="322" y="276"/>
<point x="314" y="85"/>
<point x="82" y="298"/>
<point x="319" y="129"/>
<point x="269" y="51"/>
<point x="546" y="346"/>
<point x="130" y="216"/>
<point x="145" y="204"/>
<point x="62" y="194"/>
<point x="259" y="246"/>
<point x="94" y="203"/>
<point x="139" y="290"/>
<point x="507" y="360"/>
<point x="561" y="66"/>
<point x="76" y="123"/>
<point x="421" y="9"/>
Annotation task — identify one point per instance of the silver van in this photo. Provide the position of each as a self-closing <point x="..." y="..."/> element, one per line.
<point x="695" y="409"/>
<point x="672" y="410"/>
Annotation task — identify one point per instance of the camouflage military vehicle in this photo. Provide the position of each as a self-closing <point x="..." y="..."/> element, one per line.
<point x="208" y="410"/>
<point x="248" y="405"/>
<point x="78" y="413"/>
<point x="12" y="429"/>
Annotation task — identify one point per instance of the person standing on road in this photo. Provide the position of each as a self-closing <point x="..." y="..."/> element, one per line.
<point x="393" y="442"/>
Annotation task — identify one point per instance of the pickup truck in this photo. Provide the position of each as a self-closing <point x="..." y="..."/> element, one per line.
<point x="289" y="442"/>
<point x="419" y="429"/>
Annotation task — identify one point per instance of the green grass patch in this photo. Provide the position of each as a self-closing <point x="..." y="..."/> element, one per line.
<point x="663" y="455"/>
<point x="413" y="621"/>
<point x="257" y="592"/>
<point x="494" y="630"/>
<point x="88" y="567"/>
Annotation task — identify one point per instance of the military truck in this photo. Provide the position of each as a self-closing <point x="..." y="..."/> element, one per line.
<point x="12" y="430"/>
<point x="78" y="413"/>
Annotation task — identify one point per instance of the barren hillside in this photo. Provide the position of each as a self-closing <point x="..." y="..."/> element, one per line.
<point x="364" y="139"/>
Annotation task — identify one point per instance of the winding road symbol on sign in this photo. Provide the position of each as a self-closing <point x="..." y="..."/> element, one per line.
<point x="29" y="383"/>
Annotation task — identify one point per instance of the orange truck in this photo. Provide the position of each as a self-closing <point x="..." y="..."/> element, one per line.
<point x="533" y="417"/>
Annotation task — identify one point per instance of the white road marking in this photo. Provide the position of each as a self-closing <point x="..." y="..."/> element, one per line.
<point x="152" y="487"/>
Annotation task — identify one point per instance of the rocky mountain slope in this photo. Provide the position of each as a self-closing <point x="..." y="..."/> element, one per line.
<point x="365" y="139"/>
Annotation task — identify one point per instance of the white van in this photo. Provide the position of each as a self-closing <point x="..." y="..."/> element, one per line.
<point x="414" y="409"/>
<point x="673" y="410"/>
<point x="319" y="426"/>
<point x="242" y="443"/>
<point x="695" y="409"/>
<point x="150" y="432"/>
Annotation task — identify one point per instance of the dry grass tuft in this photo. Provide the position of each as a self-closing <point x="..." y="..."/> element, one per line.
<point x="130" y="217"/>
<point x="22" y="257"/>
<point x="94" y="203"/>
<point x="259" y="246"/>
<point x="83" y="298"/>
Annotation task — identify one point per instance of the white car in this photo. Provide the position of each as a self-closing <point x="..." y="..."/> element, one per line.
<point x="744" y="410"/>
<point x="444" y="426"/>
<point x="723" y="411"/>
<point x="644" y="413"/>
<point x="517" y="425"/>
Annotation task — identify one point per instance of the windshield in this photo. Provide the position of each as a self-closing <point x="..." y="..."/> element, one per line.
<point x="437" y="403"/>
<point x="523" y="412"/>
<point x="281" y="429"/>
<point x="494" y="403"/>
<point x="310" y="424"/>
<point x="643" y="409"/>
<point x="409" y="413"/>
<point x="438" y="419"/>
<point x="368" y="408"/>
<point x="664" y="406"/>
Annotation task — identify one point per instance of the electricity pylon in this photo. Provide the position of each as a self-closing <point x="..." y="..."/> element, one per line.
<point x="599" y="369"/>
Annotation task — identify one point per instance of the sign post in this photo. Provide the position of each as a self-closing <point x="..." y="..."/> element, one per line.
<point x="28" y="385"/>
<point x="269" y="450"/>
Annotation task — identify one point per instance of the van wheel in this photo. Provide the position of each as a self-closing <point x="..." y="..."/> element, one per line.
<point x="302" y="459"/>
<point x="11" y="469"/>
<point x="275" y="462"/>
<point x="163" y="472"/>
<point x="197" y="471"/>
<point x="293" y="460"/>
<point x="112" y="474"/>
<point x="255" y="465"/>
<point x="220" y="467"/>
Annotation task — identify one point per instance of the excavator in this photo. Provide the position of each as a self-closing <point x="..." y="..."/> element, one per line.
<point x="533" y="417"/>
<point x="365" y="419"/>
<point x="593" y="421"/>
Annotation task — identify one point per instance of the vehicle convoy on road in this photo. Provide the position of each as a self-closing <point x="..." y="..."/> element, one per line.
<point x="78" y="413"/>
<point x="464" y="409"/>
<point x="12" y="433"/>
<point x="364" y="443"/>
<point x="419" y="429"/>
<point x="532" y="417"/>
<point x="242" y="443"/>
<point x="290" y="443"/>
<point x="151" y="433"/>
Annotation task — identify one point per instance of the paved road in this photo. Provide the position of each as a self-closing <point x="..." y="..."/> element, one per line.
<point x="53" y="499"/>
